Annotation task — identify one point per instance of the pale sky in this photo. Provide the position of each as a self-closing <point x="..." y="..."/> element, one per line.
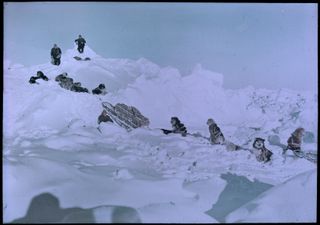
<point x="264" y="45"/>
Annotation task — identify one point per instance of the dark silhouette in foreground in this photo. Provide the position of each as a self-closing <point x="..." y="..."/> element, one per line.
<point x="45" y="208"/>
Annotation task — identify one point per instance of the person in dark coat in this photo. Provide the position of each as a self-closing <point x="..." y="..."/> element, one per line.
<point x="295" y="140"/>
<point x="104" y="117"/>
<point x="100" y="90"/>
<point x="178" y="127"/>
<point x="55" y="55"/>
<point x="216" y="136"/>
<point x="81" y="43"/>
<point x="262" y="153"/>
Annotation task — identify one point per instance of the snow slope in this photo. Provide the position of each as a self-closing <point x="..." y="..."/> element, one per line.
<point x="281" y="202"/>
<point x="51" y="143"/>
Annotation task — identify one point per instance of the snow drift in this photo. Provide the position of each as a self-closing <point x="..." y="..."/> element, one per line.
<point x="51" y="143"/>
<point x="282" y="203"/>
<point x="158" y="92"/>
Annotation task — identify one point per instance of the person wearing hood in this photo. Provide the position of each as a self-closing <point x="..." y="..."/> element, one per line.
<point x="55" y="55"/>
<point x="81" y="43"/>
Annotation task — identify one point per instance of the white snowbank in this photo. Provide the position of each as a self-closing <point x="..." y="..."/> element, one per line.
<point x="293" y="201"/>
<point x="52" y="144"/>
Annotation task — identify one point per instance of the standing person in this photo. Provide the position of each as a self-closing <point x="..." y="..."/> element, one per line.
<point x="216" y="136"/>
<point x="55" y="55"/>
<point x="81" y="43"/>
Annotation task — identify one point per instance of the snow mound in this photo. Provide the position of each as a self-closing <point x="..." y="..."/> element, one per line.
<point x="203" y="74"/>
<point x="282" y="203"/>
<point x="51" y="138"/>
<point x="87" y="52"/>
<point x="159" y="93"/>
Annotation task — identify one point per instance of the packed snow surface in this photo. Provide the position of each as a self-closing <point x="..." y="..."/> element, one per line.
<point x="51" y="144"/>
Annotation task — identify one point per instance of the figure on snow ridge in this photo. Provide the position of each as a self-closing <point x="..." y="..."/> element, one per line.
<point x="55" y="55"/>
<point x="81" y="43"/>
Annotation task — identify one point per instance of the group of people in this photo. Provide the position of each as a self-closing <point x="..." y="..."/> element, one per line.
<point x="56" y="51"/>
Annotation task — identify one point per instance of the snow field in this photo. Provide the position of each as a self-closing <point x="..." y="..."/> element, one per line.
<point x="52" y="144"/>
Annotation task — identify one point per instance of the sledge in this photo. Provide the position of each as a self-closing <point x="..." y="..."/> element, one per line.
<point x="81" y="59"/>
<point x="125" y="116"/>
